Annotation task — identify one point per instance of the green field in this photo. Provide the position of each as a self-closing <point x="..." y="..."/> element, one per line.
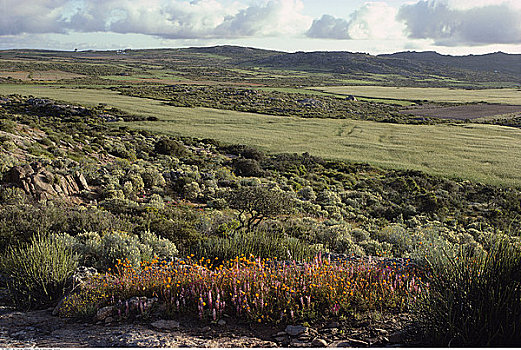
<point x="485" y="153"/>
<point x="507" y="96"/>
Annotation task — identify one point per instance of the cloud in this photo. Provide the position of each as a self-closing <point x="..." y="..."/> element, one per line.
<point x="447" y="26"/>
<point x="169" y="19"/>
<point x="373" y="20"/>
<point x="272" y="18"/>
<point x="22" y="16"/>
<point x="329" y="27"/>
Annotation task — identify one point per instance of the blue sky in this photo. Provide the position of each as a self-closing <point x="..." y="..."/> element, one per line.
<point x="447" y="26"/>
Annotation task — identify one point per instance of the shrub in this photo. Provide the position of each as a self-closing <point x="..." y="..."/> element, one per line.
<point x="170" y="148"/>
<point x="474" y="298"/>
<point x="37" y="272"/>
<point x="262" y="244"/>
<point x="103" y="252"/>
<point x="247" y="167"/>
<point x="160" y="247"/>
<point x="257" y="203"/>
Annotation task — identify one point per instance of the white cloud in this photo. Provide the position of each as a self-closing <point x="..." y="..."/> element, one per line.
<point x="375" y="20"/>
<point x="22" y="16"/>
<point x="372" y="21"/>
<point x="177" y="19"/>
<point x="271" y="18"/>
<point x="491" y="24"/>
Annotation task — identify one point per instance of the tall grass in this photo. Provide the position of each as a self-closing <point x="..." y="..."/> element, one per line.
<point x="37" y="272"/>
<point x="259" y="243"/>
<point x="474" y="298"/>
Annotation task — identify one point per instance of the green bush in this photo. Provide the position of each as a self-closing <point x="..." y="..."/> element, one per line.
<point x="474" y="298"/>
<point x="38" y="272"/>
<point x="104" y="251"/>
<point x="259" y="243"/>
<point x="170" y="148"/>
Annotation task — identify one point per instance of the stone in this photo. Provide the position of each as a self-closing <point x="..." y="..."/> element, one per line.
<point x="221" y="322"/>
<point x="165" y="324"/>
<point x="109" y="319"/>
<point x="82" y="274"/>
<point x="396" y="337"/>
<point x="357" y="342"/>
<point x="299" y="344"/>
<point x="381" y="331"/>
<point x="297" y="330"/>
<point x="104" y="312"/>
<point x="319" y="343"/>
<point x="82" y="182"/>
<point x="340" y="344"/>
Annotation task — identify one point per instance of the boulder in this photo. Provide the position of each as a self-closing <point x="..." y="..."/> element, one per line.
<point x="297" y="330"/>
<point x="165" y="324"/>
<point x="40" y="183"/>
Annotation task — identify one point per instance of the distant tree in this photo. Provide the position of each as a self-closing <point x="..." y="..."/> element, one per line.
<point x="256" y="203"/>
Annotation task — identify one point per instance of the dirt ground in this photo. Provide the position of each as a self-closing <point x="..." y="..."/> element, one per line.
<point x="462" y="112"/>
<point x="41" y="329"/>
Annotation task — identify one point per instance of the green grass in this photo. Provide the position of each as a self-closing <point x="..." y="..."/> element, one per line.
<point x="484" y="153"/>
<point x="510" y="96"/>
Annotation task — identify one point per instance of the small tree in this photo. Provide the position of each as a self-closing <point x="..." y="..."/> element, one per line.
<point x="256" y="203"/>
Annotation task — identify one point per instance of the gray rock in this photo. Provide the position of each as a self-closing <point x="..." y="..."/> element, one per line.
<point x="299" y="344"/>
<point x="319" y="343"/>
<point x="104" y="312"/>
<point x="340" y="344"/>
<point x="165" y="324"/>
<point x="357" y="342"/>
<point x="297" y="330"/>
<point x="109" y="319"/>
<point x="221" y="322"/>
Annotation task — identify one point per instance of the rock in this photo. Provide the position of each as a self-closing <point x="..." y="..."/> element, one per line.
<point x="333" y="324"/>
<point x="381" y="331"/>
<point x="319" y="343"/>
<point x="357" y="342"/>
<point x="104" y="312"/>
<point x="82" y="182"/>
<point x="82" y="274"/>
<point x="396" y="337"/>
<point x="221" y="323"/>
<point x="297" y="330"/>
<point x="299" y="344"/>
<point x="109" y="319"/>
<point x="165" y="324"/>
<point x="340" y="344"/>
<point x="280" y="334"/>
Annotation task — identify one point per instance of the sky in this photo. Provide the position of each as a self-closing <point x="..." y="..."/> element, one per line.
<point x="457" y="27"/>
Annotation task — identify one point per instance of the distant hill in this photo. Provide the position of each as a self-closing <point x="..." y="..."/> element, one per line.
<point x="493" y="62"/>
<point x="496" y="66"/>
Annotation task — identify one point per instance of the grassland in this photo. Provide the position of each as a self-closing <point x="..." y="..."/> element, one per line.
<point x="509" y="96"/>
<point x="484" y="153"/>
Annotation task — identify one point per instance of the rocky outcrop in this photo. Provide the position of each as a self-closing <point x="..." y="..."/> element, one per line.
<point x="41" y="184"/>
